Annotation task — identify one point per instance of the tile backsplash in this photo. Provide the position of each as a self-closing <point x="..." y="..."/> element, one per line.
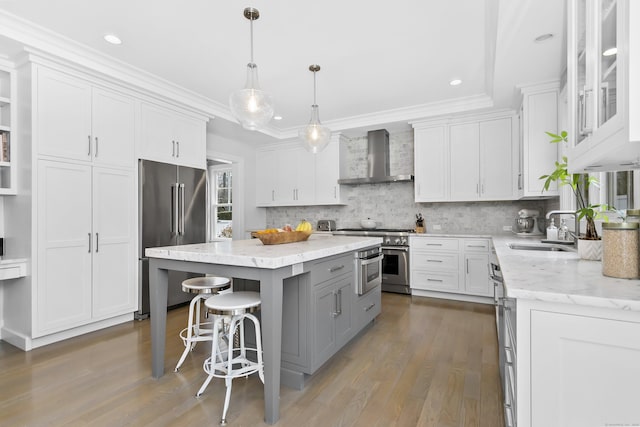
<point x="392" y="204"/>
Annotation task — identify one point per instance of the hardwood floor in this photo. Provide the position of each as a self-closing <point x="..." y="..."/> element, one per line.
<point x="424" y="362"/>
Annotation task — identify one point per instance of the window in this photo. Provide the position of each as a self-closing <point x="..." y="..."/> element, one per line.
<point x="621" y="189"/>
<point x="221" y="213"/>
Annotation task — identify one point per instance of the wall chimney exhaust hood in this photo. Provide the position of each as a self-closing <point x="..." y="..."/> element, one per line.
<point x="377" y="162"/>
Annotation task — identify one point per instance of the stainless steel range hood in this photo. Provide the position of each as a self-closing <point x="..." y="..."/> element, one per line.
<point x="377" y="161"/>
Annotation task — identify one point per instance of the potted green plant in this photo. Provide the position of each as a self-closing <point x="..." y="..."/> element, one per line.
<point x="589" y="244"/>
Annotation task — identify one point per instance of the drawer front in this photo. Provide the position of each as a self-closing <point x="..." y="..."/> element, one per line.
<point x="434" y="261"/>
<point x="368" y="307"/>
<point x="327" y="269"/>
<point x="434" y="280"/>
<point x="476" y="245"/>
<point x="435" y="244"/>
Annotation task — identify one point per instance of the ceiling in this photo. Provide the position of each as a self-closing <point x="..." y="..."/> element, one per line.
<point x="383" y="64"/>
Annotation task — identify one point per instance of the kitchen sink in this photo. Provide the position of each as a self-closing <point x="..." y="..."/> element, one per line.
<point x="541" y="247"/>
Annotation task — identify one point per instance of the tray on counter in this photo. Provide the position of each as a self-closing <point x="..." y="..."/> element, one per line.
<point x="282" y="237"/>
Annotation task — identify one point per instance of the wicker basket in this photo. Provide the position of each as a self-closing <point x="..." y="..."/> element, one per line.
<point x="283" y="237"/>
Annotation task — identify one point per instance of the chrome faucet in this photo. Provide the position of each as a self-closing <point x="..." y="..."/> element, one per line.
<point x="576" y="232"/>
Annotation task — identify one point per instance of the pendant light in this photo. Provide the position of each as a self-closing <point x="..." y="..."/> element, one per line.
<point x="251" y="106"/>
<point x="315" y="137"/>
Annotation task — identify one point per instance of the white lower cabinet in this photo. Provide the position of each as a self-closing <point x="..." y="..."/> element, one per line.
<point x="85" y="244"/>
<point x="584" y="370"/>
<point x="450" y="267"/>
<point x="576" y="365"/>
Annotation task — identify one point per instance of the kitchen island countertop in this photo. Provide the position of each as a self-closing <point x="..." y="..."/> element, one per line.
<point x="252" y="253"/>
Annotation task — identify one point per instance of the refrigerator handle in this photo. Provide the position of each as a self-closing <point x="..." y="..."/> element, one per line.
<point x="174" y="209"/>
<point x="181" y="229"/>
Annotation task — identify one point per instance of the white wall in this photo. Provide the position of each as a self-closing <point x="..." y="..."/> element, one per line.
<point x="243" y="157"/>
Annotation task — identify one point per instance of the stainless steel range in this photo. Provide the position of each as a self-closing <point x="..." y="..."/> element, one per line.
<point x="395" y="247"/>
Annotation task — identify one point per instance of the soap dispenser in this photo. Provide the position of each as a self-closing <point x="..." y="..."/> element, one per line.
<point x="552" y="231"/>
<point x="563" y="230"/>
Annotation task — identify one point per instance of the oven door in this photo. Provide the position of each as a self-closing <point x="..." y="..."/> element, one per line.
<point x="395" y="265"/>
<point x="369" y="274"/>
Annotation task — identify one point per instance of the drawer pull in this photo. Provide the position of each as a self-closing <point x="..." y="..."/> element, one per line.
<point x="434" y="260"/>
<point x="434" y="244"/>
<point x="476" y="246"/>
<point x="435" y="280"/>
<point x="336" y="268"/>
<point x="370" y="307"/>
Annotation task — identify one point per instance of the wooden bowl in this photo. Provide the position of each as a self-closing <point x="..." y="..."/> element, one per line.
<point x="282" y="237"/>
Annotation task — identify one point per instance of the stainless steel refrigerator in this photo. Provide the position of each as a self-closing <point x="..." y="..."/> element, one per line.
<point x="172" y="211"/>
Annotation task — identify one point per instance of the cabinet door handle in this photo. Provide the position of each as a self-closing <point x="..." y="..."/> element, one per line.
<point x="373" y="304"/>
<point x="482" y="188"/>
<point x="89" y="145"/>
<point x="173" y="148"/>
<point x="89" y="251"/>
<point x="477" y="188"/>
<point x="96" y="138"/>
<point x="339" y="301"/>
<point x="467" y="266"/>
<point x="177" y="148"/>
<point x="336" y="268"/>
<point x="97" y="243"/>
<point x="335" y="192"/>
<point x="335" y="304"/>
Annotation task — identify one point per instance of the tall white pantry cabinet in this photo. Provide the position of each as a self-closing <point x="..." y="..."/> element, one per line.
<point x="76" y="206"/>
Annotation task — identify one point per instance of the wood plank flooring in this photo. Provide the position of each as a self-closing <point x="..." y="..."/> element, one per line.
<point x="424" y="362"/>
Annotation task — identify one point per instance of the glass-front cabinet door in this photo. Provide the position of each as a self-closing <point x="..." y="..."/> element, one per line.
<point x="607" y="54"/>
<point x="603" y="75"/>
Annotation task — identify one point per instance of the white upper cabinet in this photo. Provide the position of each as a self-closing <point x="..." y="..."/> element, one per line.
<point x="496" y="155"/>
<point x="288" y="175"/>
<point x="464" y="148"/>
<point x="431" y="153"/>
<point x="79" y="121"/>
<point x="465" y="159"/>
<point x="603" y="78"/>
<point x="538" y="115"/>
<point x="8" y="146"/>
<point x="172" y="137"/>
<point x="327" y="172"/>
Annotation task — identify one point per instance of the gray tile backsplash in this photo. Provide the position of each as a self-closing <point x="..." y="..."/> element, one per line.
<point x="392" y="204"/>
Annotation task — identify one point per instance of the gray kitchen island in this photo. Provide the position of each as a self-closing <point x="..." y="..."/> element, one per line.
<point x="244" y="259"/>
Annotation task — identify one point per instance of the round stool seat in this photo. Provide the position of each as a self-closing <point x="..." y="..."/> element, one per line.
<point x="234" y="303"/>
<point x="206" y="285"/>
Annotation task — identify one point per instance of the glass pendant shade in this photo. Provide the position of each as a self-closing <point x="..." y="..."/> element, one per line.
<point x="252" y="107"/>
<point x="315" y="137"/>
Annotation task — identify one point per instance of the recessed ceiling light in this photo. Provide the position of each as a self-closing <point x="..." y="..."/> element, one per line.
<point x="610" y="52"/>
<point x="112" y="38"/>
<point x="277" y="117"/>
<point x="455" y="82"/>
<point x="543" y="37"/>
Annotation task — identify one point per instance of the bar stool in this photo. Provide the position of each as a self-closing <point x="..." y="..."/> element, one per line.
<point x="234" y="364"/>
<point x="204" y="288"/>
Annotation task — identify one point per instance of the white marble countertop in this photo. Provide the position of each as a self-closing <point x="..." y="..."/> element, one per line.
<point x="561" y="277"/>
<point x="252" y="253"/>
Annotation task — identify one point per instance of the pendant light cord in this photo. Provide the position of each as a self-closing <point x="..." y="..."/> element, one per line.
<point x="251" y="32"/>
<point x="314" y="88"/>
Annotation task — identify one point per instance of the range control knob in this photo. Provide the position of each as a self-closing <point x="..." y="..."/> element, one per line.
<point x="403" y="241"/>
<point x="397" y="241"/>
<point x="387" y="241"/>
